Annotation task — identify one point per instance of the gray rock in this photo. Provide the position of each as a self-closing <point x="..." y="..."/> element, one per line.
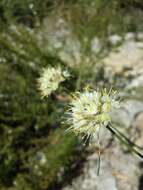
<point x="130" y="36"/>
<point x="133" y="107"/>
<point x="119" y="170"/>
<point x="136" y="82"/>
<point x="126" y="114"/>
<point x="120" y="116"/>
<point x="138" y="124"/>
<point x="90" y="181"/>
<point x="115" y="39"/>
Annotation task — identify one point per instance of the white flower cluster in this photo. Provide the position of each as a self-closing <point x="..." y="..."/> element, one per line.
<point x="50" y="79"/>
<point x="90" y="110"/>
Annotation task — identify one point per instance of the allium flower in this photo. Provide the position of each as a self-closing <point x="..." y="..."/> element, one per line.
<point x="90" y="110"/>
<point x="50" y="79"/>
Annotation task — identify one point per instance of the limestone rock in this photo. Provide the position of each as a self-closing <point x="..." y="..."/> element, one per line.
<point x="138" y="124"/>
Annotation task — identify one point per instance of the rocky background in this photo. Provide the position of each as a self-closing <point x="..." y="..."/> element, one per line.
<point x="101" y="43"/>
<point x="119" y="168"/>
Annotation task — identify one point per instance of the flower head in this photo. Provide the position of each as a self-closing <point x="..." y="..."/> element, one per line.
<point x="90" y="110"/>
<point x="50" y="79"/>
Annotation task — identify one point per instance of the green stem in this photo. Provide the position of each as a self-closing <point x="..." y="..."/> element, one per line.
<point x="127" y="139"/>
<point x="131" y="146"/>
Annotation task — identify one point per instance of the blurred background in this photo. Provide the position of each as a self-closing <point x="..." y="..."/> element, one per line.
<point x="101" y="43"/>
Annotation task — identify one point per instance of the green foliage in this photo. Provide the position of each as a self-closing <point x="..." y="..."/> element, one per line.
<point x="26" y="128"/>
<point x="57" y="149"/>
<point x="28" y="124"/>
<point x="103" y="18"/>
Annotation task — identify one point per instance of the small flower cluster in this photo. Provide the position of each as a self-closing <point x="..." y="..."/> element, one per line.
<point x="50" y="79"/>
<point x="90" y="110"/>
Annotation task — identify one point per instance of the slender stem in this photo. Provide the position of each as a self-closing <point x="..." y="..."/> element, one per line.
<point x="127" y="139"/>
<point x="99" y="152"/>
<point x="131" y="146"/>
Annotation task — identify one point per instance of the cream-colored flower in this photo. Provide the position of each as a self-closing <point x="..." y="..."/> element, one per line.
<point x="90" y="110"/>
<point x="50" y="79"/>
